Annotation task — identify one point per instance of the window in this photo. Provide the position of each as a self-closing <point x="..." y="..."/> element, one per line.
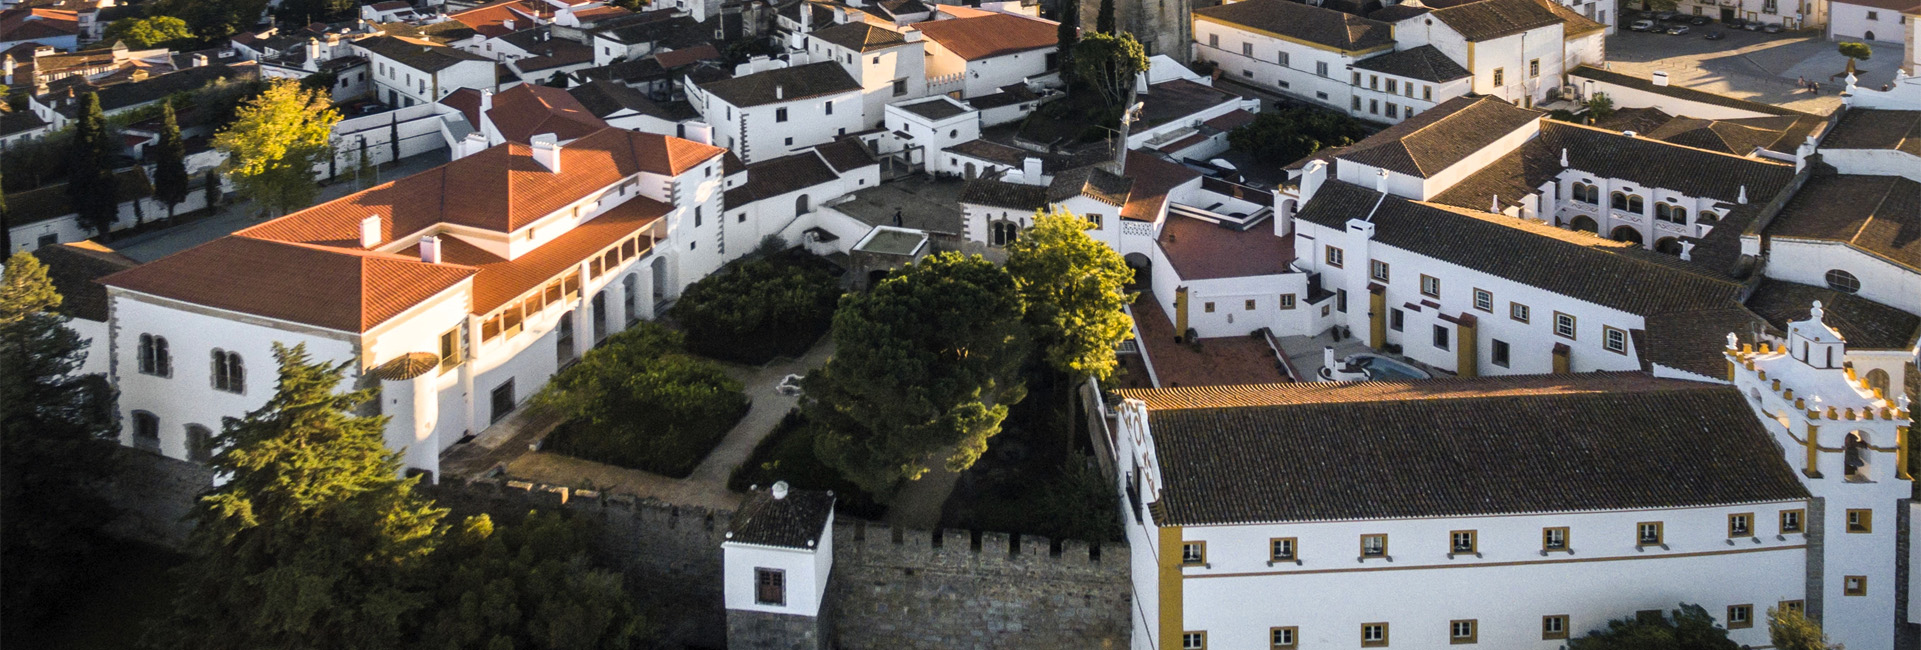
<point x="1373" y="82"/>
<point x="1740" y="616"/>
<point x="1670" y="213"/>
<point x="1440" y="337"/>
<point x="1791" y="521"/>
<point x="1615" y="340"/>
<point x="451" y="343"/>
<point x="1207" y="307"/>
<point x="1461" y="541"/>
<point x="1283" y="637"/>
<point x="1794" y="606"/>
<point x="1340" y="300"/>
<point x="1500" y="77"/>
<point x="1427" y="93"/>
<point x="1430" y="286"/>
<point x="1647" y="533"/>
<point x="1247" y="49"/>
<point x="1193" y="641"/>
<point x="900" y="87"/>
<point x="1250" y="305"/>
<point x="1374" y="545"/>
<point x="1357" y="103"/>
<point x="1002" y="233"/>
<point x="1396" y="319"/>
<point x="1320" y="68"/>
<point x="1563" y="325"/>
<point x="1843" y="281"/>
<point x="1741" y="524"/>
<point x="1554" y="538"/>
<point x="770" y="586"/>
<point x="502" y="400"/>
<point x="1287" y="301"/>
<point x="830" y="105"/>
<point x="1214" y="40"/>
<point x="1392" y="110"/>
<point x="1377" y="269"/>
<point x="154" y="358"/>
<point x="1193" y="552"/>
<point x="1281" y="549"/>
<point x="1554" y="626"/>
<point x="1534" y="68"/>
<point x="1373" y="635"/>
<point x="1517" y="311"/>
<point x="1374" y="106"/>
<point x="199" y="443"/>
<point x="1499" y="353"/>
<point x="1282" y="60"/>
<point x="1334" y="257"/>
<point x="146" y="431"/>
<point x="1093" y="219"/>
<point x="629" y="287"/>
<point x="790" y="142"/>
<point x="1874" y="15"/>
<point x="1461" y="631"/>
<point x="780" y="115"/>
<point x="1393" y="86"/>
<point x="1860" y="520"/>
<point x="1854" y="586"/>
<point x="228" y="373"/>
<point x="1484" y="300"/>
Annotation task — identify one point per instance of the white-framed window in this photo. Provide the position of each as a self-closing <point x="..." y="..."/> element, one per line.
<point x="1193" y="641"/>
<point x="1648" y="533"/>
<point x="1373" y="635"/>
<point x="1281" y="549"/>
<point x="229" y="374"/>
<point x="1517" y="311"/>
<point x="1554" y="538"/>
<point x="1484" y="300"/>
<point x="1281" y="638"/>
<point x="1374" y="545"/>
<point x="1462" y="631"/>
<point x="1430" y="286"/>
<point x="1378" y="270"/>
<point x="1563" y="325"/>
<point x="1613" y="339"/>
<point x="155" y="359"/>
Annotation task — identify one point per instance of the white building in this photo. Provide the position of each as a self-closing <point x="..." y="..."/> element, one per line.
<point x="408" y="71"/>
<point x="889" y="64"/>
<point x="1868" y="20"/>
<point x="979" y="52"/>
<point x="459" y="290"/>
<point x="1543" y="508"/>
<point x="772" y="109"/>
<point x="920" y="130"/>
<point x="1790" y="14"/>
<point x="775" y="562"/>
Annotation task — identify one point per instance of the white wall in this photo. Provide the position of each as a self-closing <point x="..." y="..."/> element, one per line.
<point x="1807" y="261"/>
<point x="756" y="133"/>
<point x="805" y="575"/>
<point x="1850" y="22"/>
<point x="1299" y="78"/>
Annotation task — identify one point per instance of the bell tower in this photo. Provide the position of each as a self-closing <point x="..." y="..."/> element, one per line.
<point x="1850" y="445"/>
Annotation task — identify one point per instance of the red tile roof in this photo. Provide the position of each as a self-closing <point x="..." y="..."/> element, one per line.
<point x="501" y="280"/>
<point x="491" y="20"/>
<point x="527" y="110"/>
<point x="991" y="35"/>
<point x="675" y="58"/>
<point x="1153" y="179"/>
<point x="339" y="289"/>
<point x="1199" y="250"/>
<point x="29" y="24"/>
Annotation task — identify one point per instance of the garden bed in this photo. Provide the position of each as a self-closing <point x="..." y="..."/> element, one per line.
<point x="639" y="401"/>
<point x="671" y="449"/>
<point x="760" y="308"/>
<point x="787" y="454"/>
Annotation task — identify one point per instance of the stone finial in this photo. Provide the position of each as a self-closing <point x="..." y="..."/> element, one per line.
<point x="1733" y="341"/>
<point x="1495" y="207"/>
<point x="1743" y="198"/>
<point x="1816" y="313"/>
<point x="1380" y="181"/>
<point x="1564" y="156"/>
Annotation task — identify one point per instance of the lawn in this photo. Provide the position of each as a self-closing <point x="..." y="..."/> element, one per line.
<point x="787" y="454"/>
<point x="128" y="585"/>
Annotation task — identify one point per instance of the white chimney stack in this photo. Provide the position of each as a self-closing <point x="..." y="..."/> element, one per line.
<point x="700" y="132"/>
<point x="780" y="92"/>
<point x="1380" y="181"/>
<point x="486" y="100"/>
<point x="1743" y="199"/>
<point x="199" y="60"/>
<point x="546" y="151"/>
<point x="430" y="249"/>
<point x="1327" y="358"/>
<point x="911" y="35"/>
<point x="370" y="231"/>
<point x="1660" y="78"/>
<point x="1031" y="170"/>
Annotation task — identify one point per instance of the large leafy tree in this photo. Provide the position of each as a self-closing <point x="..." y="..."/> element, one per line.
<point x="1291" y="133"/>
<point x="170" y="179"/>
<point x="1075" y="289"/>
<point x="526" y="586"/>
<point x="56" y="432"/>
<point x="211" y="20"/>
<point x="637" y="400"/>
<point x="1790" y="629"/>
<point x="141" y="32"/>
<point x="1109" y="63"/>
<point x="91" y="186"/>
<point x="924" y="370"/>
<point x="274" y="144"/>
<point x="756" y="310"/>
<point x="314" y="540"/>
<point x="1689" y="627"/>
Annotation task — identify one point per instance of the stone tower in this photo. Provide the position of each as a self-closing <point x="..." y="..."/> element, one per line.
<point x="1850" y="444"/>
<point x="1162" y="26"/>
<point x="778" y="554"/>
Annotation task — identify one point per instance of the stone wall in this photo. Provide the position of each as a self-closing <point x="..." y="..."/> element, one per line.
<point x="155" y="495"/>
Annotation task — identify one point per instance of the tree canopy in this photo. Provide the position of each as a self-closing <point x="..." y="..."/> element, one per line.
<point x="1790" y="629"/>
<point x="526" y="586"/>
<point x="170" y="179"/>
<point x="1110" y="63"/>
<point x="91" y="186"/>
<point x="1074" y="289"/>
<point x="637" y="400"/>
<point x="1855" y="50"/>
<point x="1291" y="133"/>
<point x="925" y="367"/>
<point x="1688" y="627"/>
<point x="274" y="143"/>
<point x="142" y="32"/>
<point x="211" y="20"/>
<point x="757" y="309"/>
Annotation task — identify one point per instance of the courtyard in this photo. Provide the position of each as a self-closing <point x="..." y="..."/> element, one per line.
<point x="1756" y="66"/>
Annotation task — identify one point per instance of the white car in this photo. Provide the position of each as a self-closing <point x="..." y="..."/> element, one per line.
<point x="1641" y="25"/>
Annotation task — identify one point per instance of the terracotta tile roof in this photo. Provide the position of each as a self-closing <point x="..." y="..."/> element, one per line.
<point x="795" y="521"/>
<point x="783" y="84"/>
<point x="391" y="5"/>
<point x="1677" y="92"/>
<point x="1877" y="214"/>
<point x="991" y="35"/>
<point x="861" y="36"/>
<point x="771" y="178"/>
<point x="500" y="189"/>
<point x="30" y="24"/>
<point x="603" y="98"/>
<point x="1441" y="136"/>
<point x="846" y="153"/>
<point x="339" y="289"/>
<point x="549" y="54"/>
<point x="1425" y="63"/>
<point x="935" y="108"/>
<point x="467" y="101"/>
<point x="1451" y="447"/>
<point x="1002" y="194"/>
<point x="1862" y="322"/>
<point x="1326" y="27"/>
<point x="687" y="55"/>
<point x="75" y="269"/>
<point x="527" y="110"/>
<point x="1693" y="340"/>
<point x="1153" y="179"/>
<point x="491" y="20"/>
<point x="600" y="13"/>
<point x="1092" y="182"/>
<point x="500" y="280"/>
<point x="1199" y="250"/>
<point x="424" y="56"/>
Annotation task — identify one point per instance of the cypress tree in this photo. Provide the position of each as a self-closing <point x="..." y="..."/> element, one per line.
<point x="91" y="185"/>
<point x="170" y="177"/>
<point x="1104" y="21"/>
<point x="213" y="190"/>
<point x="393" y="134"/>
<point x="1066" y="35"/>
<point x="6" y="220"/>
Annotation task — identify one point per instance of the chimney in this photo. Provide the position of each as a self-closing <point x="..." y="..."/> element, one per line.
<point x="1743" y="199"/>
<point x="313" y="49"/>
<point x="1660" y="77"/>
<point x="199" y="60"/>
<point x="1563" y="156"/>
<point x="700" y="132"/>
<point x="1687" y="247"/>
<point x="430" y="249"/>
<point x="486" y="100"/>
<point x="508" y="23"/>
<point x="911" y="35"/>
<point x="7" y="67"/>
<point x="1380" y="181"/>
<point x="1327" y="357"/>
<point x="779" y="490"/>
<point x="370" y="231"/>
<point x="546" y="151"/>
<point x="1031" y="170"/>
<point x="780" y="92"/>
<point x="1312" y="177"/>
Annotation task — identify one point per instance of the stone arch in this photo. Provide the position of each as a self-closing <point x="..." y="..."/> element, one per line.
<point x="1626" y="234"/>
<point x="1877" y="379"/>
<point x="1856" y="464"/>
<point x="1585" y="224"/>
<point x="1143" y="267"/>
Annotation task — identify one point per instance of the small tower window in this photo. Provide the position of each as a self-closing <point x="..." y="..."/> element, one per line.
<point x="770" y="586"/>
<point x="1855" y="456"/>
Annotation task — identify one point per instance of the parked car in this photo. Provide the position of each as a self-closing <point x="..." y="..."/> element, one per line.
<point x="1752" y="26"/>
<point x="1698" y="21"/>
<point x="1641" y="25"/>
<point x="1678" y="30"/>
<point x="1665" y="16"/>
<point x="1772" y="28"/>
<point x="1715" y="36"/>
<point x="1733" y="23"/>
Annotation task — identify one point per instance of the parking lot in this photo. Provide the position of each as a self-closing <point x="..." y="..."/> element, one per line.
<point x="1751" y="65"/>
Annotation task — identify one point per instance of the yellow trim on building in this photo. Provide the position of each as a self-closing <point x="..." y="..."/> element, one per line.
<point x="1467" y="353"/>
<point x="1901" y="454"/>
<point x="1812" y="469"/>
<point x="1377" y="319"/>
<point x="1172" y="621"/>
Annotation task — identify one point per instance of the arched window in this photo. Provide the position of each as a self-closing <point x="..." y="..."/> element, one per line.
<point x="1581" y="192"/>
<point x="629" y="286"/>
<point x="1877" y="379"/>
<point x="1002" y="233"/>
<point x="1661" y="211"/>
<point x="1707" y="217"/>
<point x="1636" y="204"/>
<point x="1669" y="245"/>
<point x="1854" y="456"/>
<point x="600" y="316"/>
<point x="564" y="341"/>
<point x="1594" y="194"/>
<point x="1843" y="281"/>
<point x="800" y="204"/>
<point x="1585" y="224"/>
<point x="1679" y="214"/>
<point x="1618" y="200"/>
<point x="146" y="431"/>
<point x="199" y="443"/>
<point x="228" y="373"/>
<point x="154" y="358"/>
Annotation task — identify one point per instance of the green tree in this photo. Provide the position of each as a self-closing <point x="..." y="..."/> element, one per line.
<point x="756" y="310"/>
<point x="56" y="443"/>
<point x="1104" y="21"/>
<point x="1599" y="107"/>
<point x="1074" y="289"/>
<point x="91" y="186"/>
<point x="1066" y="34"/>
<point x="1789" y="629"/>
<point x="314" y="539"/>
<point x="526" y="586"/>
<point x="1687" y="628"/>
<point x="212" y="187"/>
<point x="170" y="179"/>
<point x="274" y="144"/>
<point x="637" y="400"/>
<point x="924" y="370"/>
<point x="140" y="33"/>
<point x="1855" y="51"/>
<point x="1291" y="133"/>
<point x="211" y="20"/>
<point x="1110" y="62"/>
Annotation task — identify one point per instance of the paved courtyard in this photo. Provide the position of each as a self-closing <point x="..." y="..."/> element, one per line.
<point x="1751" y="65"/>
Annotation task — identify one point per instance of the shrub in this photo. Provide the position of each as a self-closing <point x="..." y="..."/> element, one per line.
<point x="638" y="401"/>
<point x="787" y="454"/>
<point x="1294" y="132"/>
<point x="759" y="309"/>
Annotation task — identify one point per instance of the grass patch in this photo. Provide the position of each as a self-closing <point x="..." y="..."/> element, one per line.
<point x="127" y="585"/>
<point x="787" y="454"/>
